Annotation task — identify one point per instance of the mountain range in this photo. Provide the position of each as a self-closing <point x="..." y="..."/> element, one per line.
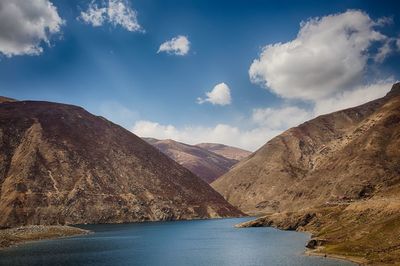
<point x="336" y="176"/>
<point x="207" y="160"/>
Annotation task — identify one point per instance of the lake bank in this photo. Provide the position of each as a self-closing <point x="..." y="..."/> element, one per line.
<point x="319" y="252"/>
<point x="20" y="235"/>
<point x="365" y="232"/>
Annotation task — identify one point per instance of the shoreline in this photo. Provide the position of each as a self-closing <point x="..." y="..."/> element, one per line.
<point x="317" y="252"/>
<point x="13" y="237"/>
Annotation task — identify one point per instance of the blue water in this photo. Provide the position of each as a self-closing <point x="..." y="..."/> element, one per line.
<point x="204" y="242"/>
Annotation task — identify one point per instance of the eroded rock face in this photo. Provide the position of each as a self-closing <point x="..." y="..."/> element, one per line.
<point x="337" y="158"/>
<point x="202" y="161"/>
<point x="62" y="165"/>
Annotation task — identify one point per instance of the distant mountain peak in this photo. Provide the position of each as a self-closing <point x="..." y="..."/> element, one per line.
<point x="206" y="160"/>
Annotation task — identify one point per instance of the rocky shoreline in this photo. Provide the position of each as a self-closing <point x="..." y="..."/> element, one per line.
<point x="314" y="247"/>
<point x="366" y="236"/>
<point x="20" y="235"/>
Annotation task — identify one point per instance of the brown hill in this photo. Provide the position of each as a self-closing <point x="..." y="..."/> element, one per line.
<point x="226" y="151"/>
<point x="60" y="164"/>
<point x="337" y="176"/>
<point x="202" y="162"/>
<point x="350" y="154"/>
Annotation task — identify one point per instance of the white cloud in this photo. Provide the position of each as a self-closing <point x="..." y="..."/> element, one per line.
<point x="267" y="124"/>
<point x="94" y="15"/>
<point x="383" y="52"/>
<point x="219" y="95"/>
<point x="329" y="55"/>
<point x="179" y="45"/>
<point x="26" y="25"/>
<point x="280" y="118"/>
<point x="355" y="97"/>
<point x="221" y="133"/>
<point x="115" y="12"/>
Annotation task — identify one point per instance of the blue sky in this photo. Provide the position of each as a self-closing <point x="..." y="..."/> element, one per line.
<point x="118" y="73"/>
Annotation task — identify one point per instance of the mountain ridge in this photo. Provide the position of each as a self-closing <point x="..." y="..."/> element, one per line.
<point x="206" y="164"/>
<point x="336" y="176"/>
<point x="59" y="164"/>
<point x="300" y="152"/>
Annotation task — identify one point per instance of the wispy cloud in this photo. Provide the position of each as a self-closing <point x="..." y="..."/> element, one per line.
<point x="115" y="12"/>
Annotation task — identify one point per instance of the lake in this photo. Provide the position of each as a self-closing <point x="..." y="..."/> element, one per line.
<point x="201" y="242"/>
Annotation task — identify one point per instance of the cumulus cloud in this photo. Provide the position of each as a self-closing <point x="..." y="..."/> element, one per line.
<point x="219" y="95"/>
<point x="329" y="55"/>
<point x="26" y="25"/>
<point x="115" y="12"/>
<point x="179" y="45"/>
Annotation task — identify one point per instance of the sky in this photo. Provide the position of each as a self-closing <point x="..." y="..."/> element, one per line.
<point x="224" y="71"/>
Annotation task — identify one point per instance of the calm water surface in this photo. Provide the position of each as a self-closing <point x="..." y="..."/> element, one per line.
<point x="205" y="242"/>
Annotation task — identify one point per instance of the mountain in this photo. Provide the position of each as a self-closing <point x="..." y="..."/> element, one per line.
<point x="60" y="164"/>
<point x="337" y="176"/>
<point x="225" y="151"/>
<point x="201" y="161"/>
<point x="347" y="155"/>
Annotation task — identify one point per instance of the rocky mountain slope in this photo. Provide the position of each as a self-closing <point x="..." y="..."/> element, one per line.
<point x="347" y="155"/>
<point x="337" y="176"/>
<point x="60" y="164"/>
<point x="202" y="162"/>
<point x="225" y="151"/>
